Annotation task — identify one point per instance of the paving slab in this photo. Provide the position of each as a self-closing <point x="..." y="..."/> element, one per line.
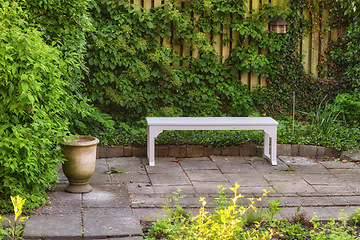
<point x="60" y="203"/>
<point x="282" y="176"/>
<point x="110" y="222"/>
<point x="170" y="189"/>
<point x="211" y="187"/>
<point x="290" y="187"/>
<point x="321" y="178"/>
<point x="199" y="175"/>
<point x="126" y="164"/>
<point x="147" y="200"/>
<point x="351" y="156"/>
<point x="198" y="164"/>
<point x="99" y="175"/>
<point x="233" y="167"/>
<point x="140" y="188"/>
<point x="340" y="165"/>
<point x="247" y="180"/>
<point x="334" y="190"/>
<point x="52" y="226"/>
<point x="106" y="196"/>
<point x="262" y="165"/>
<point x="169" y="178"/>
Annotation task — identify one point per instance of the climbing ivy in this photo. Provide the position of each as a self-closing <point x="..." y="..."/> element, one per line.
<point x="138" y="75"/>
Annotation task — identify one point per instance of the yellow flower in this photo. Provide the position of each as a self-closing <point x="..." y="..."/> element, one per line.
<point x="18" y="203"/>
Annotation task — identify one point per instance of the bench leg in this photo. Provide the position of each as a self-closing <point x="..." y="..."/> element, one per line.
<point x="266" y="144"/>
<point x="150" y="147"/>
<point x="274" y="148"/>
<point x="270" y="153"/>
<point x="152" y="133"/>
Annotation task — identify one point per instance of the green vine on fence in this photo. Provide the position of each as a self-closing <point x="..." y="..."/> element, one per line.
<point x="141" y="76"/>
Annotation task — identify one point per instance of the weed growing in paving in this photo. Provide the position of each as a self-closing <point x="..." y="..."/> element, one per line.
<point x="228" y="220"/>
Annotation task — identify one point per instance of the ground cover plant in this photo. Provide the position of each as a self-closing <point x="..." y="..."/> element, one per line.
<point x="228" y="220"/>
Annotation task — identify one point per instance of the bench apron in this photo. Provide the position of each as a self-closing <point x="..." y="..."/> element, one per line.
<point x="158" y="124"/>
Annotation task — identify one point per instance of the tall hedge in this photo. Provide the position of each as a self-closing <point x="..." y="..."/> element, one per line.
<point x="32" y="109"/>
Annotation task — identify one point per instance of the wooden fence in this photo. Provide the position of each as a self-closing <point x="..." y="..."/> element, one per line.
<point x="312" y="44"/>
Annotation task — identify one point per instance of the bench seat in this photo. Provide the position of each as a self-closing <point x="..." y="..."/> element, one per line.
<point x="158" y="124"/>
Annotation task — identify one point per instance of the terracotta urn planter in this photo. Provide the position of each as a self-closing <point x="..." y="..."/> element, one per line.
<point x="80" y="162"/>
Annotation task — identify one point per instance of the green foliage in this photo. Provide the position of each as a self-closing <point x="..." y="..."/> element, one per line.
<point x="31" y="109"/>
<point x="354" y="218"/>
<point x="64" y="24"/>
<point x="341" y="137"/>
<point x="348" y="104"/>
<point x="135" y="74"/>
<point x="332" y="230"/>
<point x="175" y="219"/>
<point x="140" y="76"/>
<point x="14" y="231"/>
<point x="227" y="221"/>
<point x="272" y="211"/>
<point x="342" y="55"/>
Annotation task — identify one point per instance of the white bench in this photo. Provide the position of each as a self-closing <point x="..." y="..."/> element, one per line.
<point x="158" y="124"/>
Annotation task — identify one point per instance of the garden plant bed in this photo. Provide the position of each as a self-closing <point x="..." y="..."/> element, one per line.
<point x="227" y="220"/>
<point x="294" y="230"/>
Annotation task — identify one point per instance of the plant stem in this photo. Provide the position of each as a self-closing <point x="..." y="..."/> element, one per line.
<point x="293" y="125"/>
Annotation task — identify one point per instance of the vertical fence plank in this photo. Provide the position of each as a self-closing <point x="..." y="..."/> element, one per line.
<point x="217" y="43"/>
<point x="147" y="5"/>
<point x="325" y="38"/>
<point x="306" y="44"/>
<point x="186" y="52"/>
<point x="225" y="48"/>
<point x="255" y="79"/>
<point x="195" y="52"/>
<point x="157" y="3"/>
<point x="244" y="75"/>
<point x="264" y="51"/>
<point x="315" y="44"/>
<point x="138" y="4"/>
<point x="234" y="41"/>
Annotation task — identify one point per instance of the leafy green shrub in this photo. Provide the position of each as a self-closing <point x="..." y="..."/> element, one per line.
<point x="32" y="109"/>
<point x="175" y="219"/>
<point x="349" y="105"/>
<point x="65" y="24"/>
<point x="354" y="218"/>
<point x="340" y="137"/>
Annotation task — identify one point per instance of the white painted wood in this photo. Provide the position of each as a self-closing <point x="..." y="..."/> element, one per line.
<point x="158" y="124"/>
